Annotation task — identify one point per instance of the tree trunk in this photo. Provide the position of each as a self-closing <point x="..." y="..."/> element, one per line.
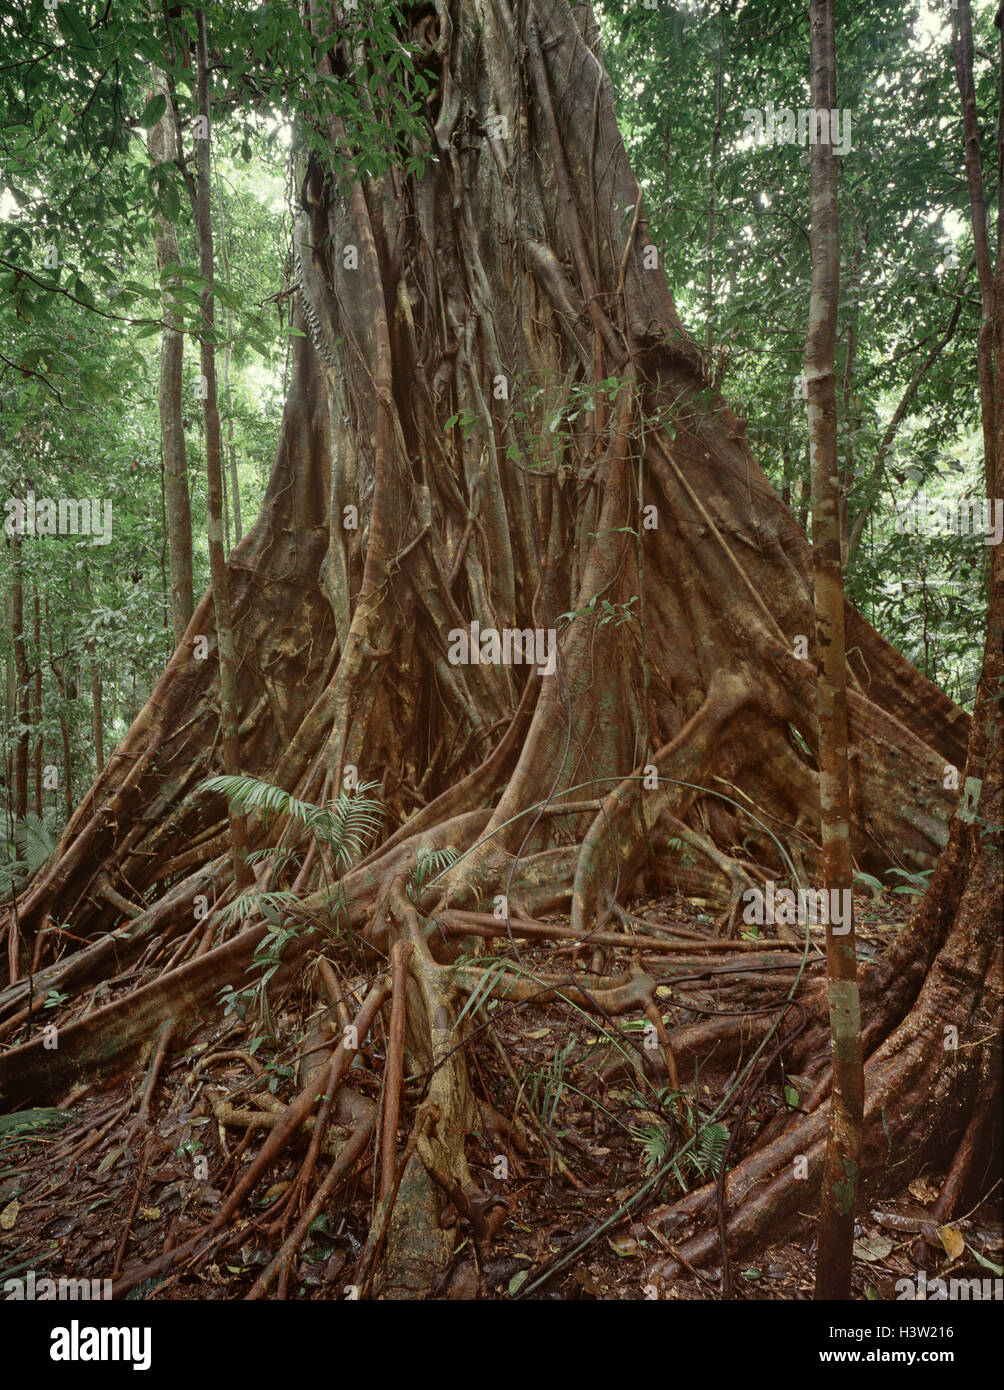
<point x="58" y="668"/>
<point x="235" y="490"/>
<point x="843" y="1147"/>
<point x="962" y="51"/>
<point x="97" y="718"/>
<point x="446" y="458"/>
<point x="37" y="706"/>
<point x="172" y="431"/>
<point x="22" y="678"/>
<point x="220" y="575"/>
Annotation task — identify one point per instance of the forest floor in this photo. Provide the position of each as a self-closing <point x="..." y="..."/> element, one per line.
<point x="87" y="1190"/>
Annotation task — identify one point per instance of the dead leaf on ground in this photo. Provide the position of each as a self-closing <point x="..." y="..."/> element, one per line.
<point x="924" y="1191"/>
<point x="952" y="1240"/>
<point x="872" y="1248"/>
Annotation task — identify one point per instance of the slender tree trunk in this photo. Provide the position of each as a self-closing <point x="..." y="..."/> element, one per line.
<point x="235" y="492"/>
<point x="220" y="576"/>
<point x="235" y="487"/>
<point x="843" y="1150"/>
<point x="962" y="50"/>
<point x="58" y="668"/>
<point x="97" y="721"/>
<point x="22" y="678"/>
<point x="172" y="432"/>
<point x="852" y="421"/>
<point x="38" y="703"/>
<point x="716" y="139"/>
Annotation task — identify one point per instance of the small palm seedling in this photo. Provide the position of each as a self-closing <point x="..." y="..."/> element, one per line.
<point x="429" y="864"/>
<point x="32" y="845"/>
<point x="343" y="829"/>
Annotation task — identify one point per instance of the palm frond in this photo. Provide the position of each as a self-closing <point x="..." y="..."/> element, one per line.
<point x="429" y="864"/>
<point x="346" y="826"/>
<point x="35" y="841"/>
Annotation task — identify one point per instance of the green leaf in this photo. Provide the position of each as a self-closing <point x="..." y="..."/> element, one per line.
<point x="870" y="882"/>
<point x="33" y="1119"/>
<point x="153" y="111"/>
<point x="73" y="27"/>
<point x="518" y="1280"/>
<point x="987" y="1264"/>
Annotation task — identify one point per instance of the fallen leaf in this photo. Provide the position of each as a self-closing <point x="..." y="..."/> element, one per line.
<point x="9" y="1215"/>
<point x="924" y="1191"/>
<point x="872" y="1248"/>
<point x="987" y="1264"/>
<point x="952" y="1240"/>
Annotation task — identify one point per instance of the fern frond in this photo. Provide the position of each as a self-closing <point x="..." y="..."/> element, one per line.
<point x="709" y="1149"/>
<point x="35" y="841"/>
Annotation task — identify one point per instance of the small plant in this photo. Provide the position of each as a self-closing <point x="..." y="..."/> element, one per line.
<point x="870" y="882"/>
<point x="916" y="884"/>
<point x="467" y="420"/>
<point x="547" y="1086"/>
<point x="699" y="1157"/>
<point x="607" y="612"/>
<point x="429" y="864"/>
<point x="343" y="828"/>
<point x="677" y="847"/>
<point x="31" y="846"/>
